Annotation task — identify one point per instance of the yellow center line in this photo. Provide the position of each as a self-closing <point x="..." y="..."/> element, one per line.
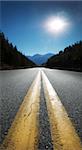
<point x="23" y="133"/>
<point x="63" y="133"/>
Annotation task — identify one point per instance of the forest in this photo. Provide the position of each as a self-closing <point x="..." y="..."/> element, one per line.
<point x="10" y="57"/>
<point x="70" y="58"/>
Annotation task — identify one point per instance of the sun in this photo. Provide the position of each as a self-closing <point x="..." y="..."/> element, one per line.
<point x="56" y="24"/>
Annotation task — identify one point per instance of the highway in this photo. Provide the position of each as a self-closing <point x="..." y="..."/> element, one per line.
<point x="15" y="85"/>
<point x="68" y="85"/>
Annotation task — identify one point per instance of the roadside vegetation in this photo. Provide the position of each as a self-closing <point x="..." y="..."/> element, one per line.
<point x="10" y="57"/>
<point x="70" y="58"/>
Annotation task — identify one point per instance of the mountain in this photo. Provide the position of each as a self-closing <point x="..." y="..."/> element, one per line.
<point x="40" y="59"/>
<point x="10" y="57"/>
<point x="69" y="59"/>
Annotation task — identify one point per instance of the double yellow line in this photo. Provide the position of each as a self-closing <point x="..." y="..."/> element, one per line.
<point x="23" y="134"/>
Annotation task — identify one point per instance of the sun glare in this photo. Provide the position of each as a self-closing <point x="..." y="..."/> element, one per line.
<point x="56" y="25"/>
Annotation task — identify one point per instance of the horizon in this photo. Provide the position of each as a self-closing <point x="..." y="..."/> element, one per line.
<point x="27" y="26"/>
<point x="41" y="54"/>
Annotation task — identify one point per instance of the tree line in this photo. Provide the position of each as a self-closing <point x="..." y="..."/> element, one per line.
<point x="10" y="57"/>
<point x="70" y="58"/>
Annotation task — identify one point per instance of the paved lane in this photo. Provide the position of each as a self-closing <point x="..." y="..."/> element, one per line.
<point x="14" y="86"/>
<point x="68" y="86"/>
<point x="23" y="134"/>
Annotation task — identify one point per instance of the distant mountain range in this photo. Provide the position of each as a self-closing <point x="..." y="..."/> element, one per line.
<point x="40" y="59"/>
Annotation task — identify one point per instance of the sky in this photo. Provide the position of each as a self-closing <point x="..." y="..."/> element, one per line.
<point x="29" y="25"/>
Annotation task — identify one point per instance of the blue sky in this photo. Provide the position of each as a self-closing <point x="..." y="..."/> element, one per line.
<point x="22" y="22"/>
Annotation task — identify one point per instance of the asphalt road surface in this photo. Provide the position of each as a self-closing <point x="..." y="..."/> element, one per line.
<point x="15" y="84"/>
<point x="68" y="85"/>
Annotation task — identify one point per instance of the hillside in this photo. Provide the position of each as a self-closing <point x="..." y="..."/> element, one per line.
<point x="40" y="59"/>
<point x="10" y="57"/>
<point x="70" y="58"/>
